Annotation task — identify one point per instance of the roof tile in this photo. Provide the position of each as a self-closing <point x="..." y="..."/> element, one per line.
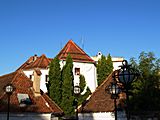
<point x="77" y="54"/>
<point x="99" y="101"/>
<point x="23" y="85"/>
<point x="36" y="62"/>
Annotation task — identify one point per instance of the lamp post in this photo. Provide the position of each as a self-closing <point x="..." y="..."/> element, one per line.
<point x="77" y="91"/>
<point x="9" y="90"/>
<point x="114" y="90"/>
<point x="125" y="76"/>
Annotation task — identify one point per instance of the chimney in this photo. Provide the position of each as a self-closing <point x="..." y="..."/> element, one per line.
<point x="36" y="82"/>
<point x="35" y="57"/>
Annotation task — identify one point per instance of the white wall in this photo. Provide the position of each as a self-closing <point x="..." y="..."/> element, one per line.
<point x="43" y="86"/>
<point x="86" y="69"/>
<point x="101" y="116"/>
<point x="28" y="73"/>
<point x="43" y="78"/>
<point x="29" y="116"/>
<point x="117" y="61"/>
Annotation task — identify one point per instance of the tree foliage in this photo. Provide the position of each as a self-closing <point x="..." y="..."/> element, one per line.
<point x="104" y="68"/>
<point x="82" y="85"/>
<point x="146" y="90"/>
<point x="109" y="65"/>
<point x="82" y="82"/>
<point x="55" y="81"/>
<point x="61" y="85"/>
<point x="67" y="87"/>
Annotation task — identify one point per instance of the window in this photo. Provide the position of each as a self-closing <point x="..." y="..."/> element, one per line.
<point x="46" y="78"/>
<point x="24" y="99"/>
<point x="77" y="71"/>
<point x="30" y="77"/>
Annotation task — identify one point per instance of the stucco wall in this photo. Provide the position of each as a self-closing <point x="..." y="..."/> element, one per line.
<point x="28" y="116"/>
<point x="101" y="116"/>
<point x="86" y="69"/>
<point x="43" y="78"/>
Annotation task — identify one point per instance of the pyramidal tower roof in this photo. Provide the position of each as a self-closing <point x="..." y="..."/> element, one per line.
<point x="76" y="53"/>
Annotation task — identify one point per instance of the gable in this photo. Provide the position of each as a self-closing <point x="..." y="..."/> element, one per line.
<point x="100" y="100"/>
<point x="76" y="53"/>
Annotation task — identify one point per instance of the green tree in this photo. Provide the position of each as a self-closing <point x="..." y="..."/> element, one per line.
<point x="146" y="90"/>
<point x="67" y="87"/>
<point x="104" y="68"/>
<point x="82" y="82"/>
<point x="109" y="65"/>
<point x="55" y="81"/>
<point x="82" y="85"/>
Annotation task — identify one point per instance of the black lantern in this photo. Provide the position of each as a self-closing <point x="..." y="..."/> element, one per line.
<point x="114" y="90"/>
<point x="9" y="90"/>
<point x="77" y="91"/>
<point x="126" y="75"/>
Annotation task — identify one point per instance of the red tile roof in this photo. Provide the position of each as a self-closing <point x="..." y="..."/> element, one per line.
<point x="100" y="100"/>
<point x="77" y="54"/>
<point x="36" y="62"/>
<point x="23" y="85"/>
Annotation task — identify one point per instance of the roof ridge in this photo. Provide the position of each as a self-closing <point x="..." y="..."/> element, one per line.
<point x="41" y="58"/>
<point x="90" y="96"/>
<point x="14" y="78"/>
<point x="51" y="101"/>
<point x="82" y="51"/>
<point x="7" y="74"/>
<point x="47" y="103"/>
<point x="77" y="53"/>
<point x="107" y="78"/>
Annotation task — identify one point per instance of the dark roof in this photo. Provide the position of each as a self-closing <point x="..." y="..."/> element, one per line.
<point x="100" y="100"/>
<point x="23" y="85"/>
<point x="77" y="54"/>
<point x="36" y="62"/>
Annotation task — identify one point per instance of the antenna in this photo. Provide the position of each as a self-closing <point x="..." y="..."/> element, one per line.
<point x="82" y="40"/>
<point x="61" y="44"/>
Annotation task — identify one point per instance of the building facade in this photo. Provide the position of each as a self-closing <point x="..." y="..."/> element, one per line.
<point x="82" y="65"/>
<point x="117" y="61"/>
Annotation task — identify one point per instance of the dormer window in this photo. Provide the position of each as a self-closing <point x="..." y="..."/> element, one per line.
<point x="24" y="99"/>
<point x="77" y="71"/>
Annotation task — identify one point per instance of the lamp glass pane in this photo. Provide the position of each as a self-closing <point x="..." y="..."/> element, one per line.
<point x="126" y="77"/>
<point x="9" y="89"/>
<point x="76" y="90"/>
<point x="113" y="89"/>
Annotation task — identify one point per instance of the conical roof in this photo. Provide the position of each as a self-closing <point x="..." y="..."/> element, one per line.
<point x="76" y="53"/>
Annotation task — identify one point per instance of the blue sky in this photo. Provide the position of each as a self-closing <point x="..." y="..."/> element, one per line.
<point x="119" y="27"/>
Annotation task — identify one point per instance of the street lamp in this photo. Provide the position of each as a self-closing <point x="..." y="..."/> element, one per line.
<point x="126" y="75"/>
<point x="9" y="90"/>
<point x="77" y="91"/>
<point x="114" y="90"/>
